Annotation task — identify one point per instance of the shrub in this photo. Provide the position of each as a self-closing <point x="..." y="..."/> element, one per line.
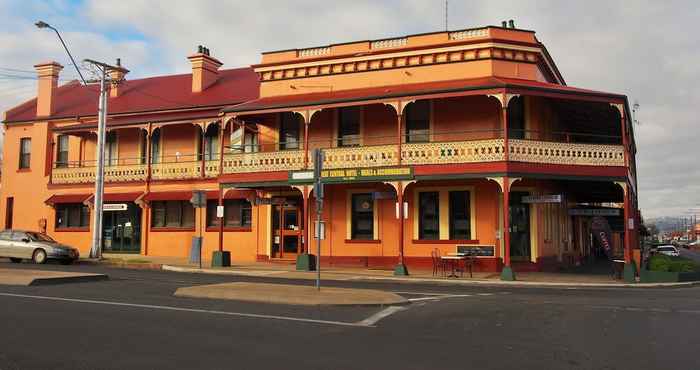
<point x="660" y="262"/>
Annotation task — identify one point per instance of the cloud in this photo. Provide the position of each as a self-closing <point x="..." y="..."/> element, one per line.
<point x="642" y="49"/>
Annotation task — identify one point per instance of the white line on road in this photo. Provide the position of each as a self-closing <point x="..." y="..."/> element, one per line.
<point x="368" y="322"/>
<point x="440" y="297"/>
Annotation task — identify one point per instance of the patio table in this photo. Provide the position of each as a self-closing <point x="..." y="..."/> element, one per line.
<point x="453" y="261"/>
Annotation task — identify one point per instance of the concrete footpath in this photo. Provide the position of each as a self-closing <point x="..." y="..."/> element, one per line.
<point x="292" y="294"/>
<point x="337" y="273"/>
<point x="44" y="277"/>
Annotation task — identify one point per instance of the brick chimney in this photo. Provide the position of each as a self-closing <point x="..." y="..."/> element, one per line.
<point x="205" y="69"/>
<point x="116" y="76"/>
<point x="48" y="81"/>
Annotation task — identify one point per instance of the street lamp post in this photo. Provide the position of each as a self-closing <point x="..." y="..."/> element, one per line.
<point x="104" y="71"/>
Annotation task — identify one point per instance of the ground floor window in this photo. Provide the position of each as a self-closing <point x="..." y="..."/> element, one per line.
<point x="429" y="215"/>
<point x="460" y="212"/>
<point x="362" y="216"/>
<point x="72" y="215"/>
<point x="237" y="213"/>
<point x="172" y="213"/>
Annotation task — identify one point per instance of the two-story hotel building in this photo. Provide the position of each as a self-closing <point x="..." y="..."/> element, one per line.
<point x="434" y="142"/>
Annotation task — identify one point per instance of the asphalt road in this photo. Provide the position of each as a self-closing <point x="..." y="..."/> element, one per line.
<point x="133" y="322"/>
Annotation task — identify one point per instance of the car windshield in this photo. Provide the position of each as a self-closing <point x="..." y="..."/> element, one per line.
<point x="41" y="237"/>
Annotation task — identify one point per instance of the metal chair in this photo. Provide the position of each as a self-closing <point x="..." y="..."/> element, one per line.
<point x="438" y="263"/>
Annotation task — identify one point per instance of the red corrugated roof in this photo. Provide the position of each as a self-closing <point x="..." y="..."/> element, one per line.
<point x="147" y="94"/>
<point x="425" y="88"/>
<point x="67" y="198"/>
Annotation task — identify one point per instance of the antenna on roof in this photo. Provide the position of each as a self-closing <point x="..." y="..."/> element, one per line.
<point x="447" y="7"/>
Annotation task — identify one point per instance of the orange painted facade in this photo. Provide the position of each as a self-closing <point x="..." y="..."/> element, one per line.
<point x="461" y="116"/>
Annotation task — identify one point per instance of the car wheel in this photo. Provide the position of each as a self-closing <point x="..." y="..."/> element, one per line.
<point x="15" y="260"/>
<point x="39" y="256"/>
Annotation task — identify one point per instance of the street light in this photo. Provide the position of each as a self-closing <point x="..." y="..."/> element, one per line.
<point x="104" y="69"/>
<point x="42" y="25"/>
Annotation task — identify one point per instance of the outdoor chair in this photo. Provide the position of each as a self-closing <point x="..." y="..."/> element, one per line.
<point x="438" y="263"/>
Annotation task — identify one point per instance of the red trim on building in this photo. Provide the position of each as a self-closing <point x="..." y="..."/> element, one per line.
<point x="255" y="177"/>
<point x="168" y="195"/>
<point x="231" y="194"/>
<point x="67" y="198"/>
<point x="172" y="229"/>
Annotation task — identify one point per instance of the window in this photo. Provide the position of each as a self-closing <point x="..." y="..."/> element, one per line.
<point x="237" y="213"/>
<point x="155" y="146"/>
<point x="111" y="149"/>
<point x="70" y="215"/>
<point x="349" y="126"/>
<point x="418" y="122"/>
<point x="362" y="222"/>
<point x="172" y="214"/>
<point x="460" y="215"/>
<point x="143" y="146"/>
<point x="6" y="235"/>
<point x="62" y="151"/>
<point x="429" y="215"/>
<point x="25" y="152"/>
<point x="289" y="131"/>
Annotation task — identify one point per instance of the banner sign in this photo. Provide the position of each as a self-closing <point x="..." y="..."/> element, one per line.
<point x="594" y="212"/>
<point x="477" y="250"/>
<point x="355" y="175"/>
<point x="603" y="234"/>
<point x="555" y="198"/>
<point x="270" y="201"/>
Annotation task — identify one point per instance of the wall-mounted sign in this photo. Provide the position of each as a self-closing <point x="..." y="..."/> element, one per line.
<point x="477" y="250"/>
<point x="554" y="198"/>
<point x="113" y="207"/>
<point x="355" y="174"/>
<point x="270" y="201"/>
<point x="594" y="212"/>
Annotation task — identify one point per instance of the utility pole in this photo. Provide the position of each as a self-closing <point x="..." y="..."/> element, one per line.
<point x="103" y="71"/>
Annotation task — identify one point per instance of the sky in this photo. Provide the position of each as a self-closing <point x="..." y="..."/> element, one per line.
<point x="643" y="49"/>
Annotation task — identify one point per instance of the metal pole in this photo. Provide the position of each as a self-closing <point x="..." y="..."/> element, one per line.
<point x="319" y="209"/>
<point x="96" y="251"/>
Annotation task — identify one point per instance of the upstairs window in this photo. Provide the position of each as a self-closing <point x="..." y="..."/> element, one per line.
<point x="72" y="215"/>
<point x="172" y="214"/>
<point x="349" y="126"/>
<point x="155" y="146"/>
<point x="289" y="131"/>
<point x="418" y="122"/>
<point x="25" y="152"/>
<point x="237" y="213"/>
<point x="211" y="142"/>
<point x="62" y="151"/>
<point x="516" y="118"/>
<point x="111" y="149"/>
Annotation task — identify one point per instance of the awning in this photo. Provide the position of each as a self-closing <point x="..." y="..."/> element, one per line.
<point x="67" y="198"/>
<point x="121" y="197"/>
<point x="168" y="195"/>
<point x="232" y="194"/>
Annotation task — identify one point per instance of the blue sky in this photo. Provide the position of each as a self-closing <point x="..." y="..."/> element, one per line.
<point x="642" y="49"/>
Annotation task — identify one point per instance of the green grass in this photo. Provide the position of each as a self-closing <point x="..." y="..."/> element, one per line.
<point x="660" y="262"/>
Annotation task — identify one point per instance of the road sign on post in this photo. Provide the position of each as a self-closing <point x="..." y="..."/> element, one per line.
<point x="318" y="192"/>
<point x="198" y="200"/>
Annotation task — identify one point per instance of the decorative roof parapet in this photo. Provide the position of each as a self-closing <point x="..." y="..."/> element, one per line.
<point x="389" y="43"/>
<point x="312" y="52"/>
<point x="469" y="34"/>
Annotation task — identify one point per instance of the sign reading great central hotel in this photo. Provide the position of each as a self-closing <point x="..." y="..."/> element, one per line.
<point x="356" y="174"/>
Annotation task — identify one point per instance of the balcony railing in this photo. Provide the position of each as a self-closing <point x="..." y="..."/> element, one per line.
<point x="478" y="149"/>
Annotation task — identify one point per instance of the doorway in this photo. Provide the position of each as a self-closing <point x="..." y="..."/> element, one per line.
<point x="520" y="248"/>
<point x="9" y="212"/>
<point x="121" y="228"/>
<point x="287" y="229"/>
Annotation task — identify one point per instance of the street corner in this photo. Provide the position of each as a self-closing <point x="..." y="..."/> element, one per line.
<point x="30" y="277"/>
<point x="292" y="294"/>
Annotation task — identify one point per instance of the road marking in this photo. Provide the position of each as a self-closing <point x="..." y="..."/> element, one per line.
<point x="368" y="322"/>
<point x="440" y="297"/>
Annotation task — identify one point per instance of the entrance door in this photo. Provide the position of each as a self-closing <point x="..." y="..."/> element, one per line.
<point x="519" y="227"/>
<point x="9" y="212"/>
<point x="121" y="230"/>
<point x="286" y="230"/>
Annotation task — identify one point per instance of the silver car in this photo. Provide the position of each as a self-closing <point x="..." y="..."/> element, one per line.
<point x="19" y="245"/>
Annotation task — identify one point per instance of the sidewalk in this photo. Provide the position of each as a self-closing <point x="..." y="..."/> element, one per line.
<point x="288" y="271"/>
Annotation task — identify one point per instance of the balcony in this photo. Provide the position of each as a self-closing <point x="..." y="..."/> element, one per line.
<point x="527" y="150"/>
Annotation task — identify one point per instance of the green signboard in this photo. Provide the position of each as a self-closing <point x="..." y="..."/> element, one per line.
<point x="341" y="175"/>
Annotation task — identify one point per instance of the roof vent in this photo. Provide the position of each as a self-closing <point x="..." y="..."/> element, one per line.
<point x="511" y="24"/>
<point x="504" y="24"/>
